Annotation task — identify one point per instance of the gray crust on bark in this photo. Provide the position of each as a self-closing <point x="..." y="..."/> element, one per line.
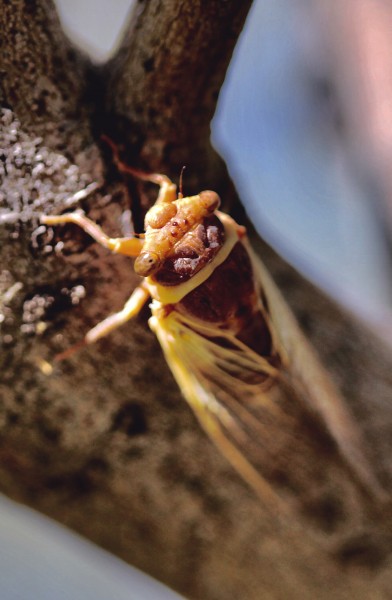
<point x="106" y="444"/>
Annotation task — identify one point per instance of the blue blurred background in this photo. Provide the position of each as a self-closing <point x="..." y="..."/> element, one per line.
<point x="305" y="125"/>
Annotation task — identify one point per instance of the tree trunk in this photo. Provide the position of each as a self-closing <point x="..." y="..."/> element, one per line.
<point x="106" y="443"/>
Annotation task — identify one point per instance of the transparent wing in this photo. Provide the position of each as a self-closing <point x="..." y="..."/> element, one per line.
<point x="246" y="402"/>
<point x="228" y="387"/>
<point x="311" y="382"/>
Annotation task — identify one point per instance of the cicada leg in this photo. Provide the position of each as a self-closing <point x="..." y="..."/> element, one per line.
<point x="131" y="309"/>
<point x="167" y="189"/>
<point x="130" y="246"/>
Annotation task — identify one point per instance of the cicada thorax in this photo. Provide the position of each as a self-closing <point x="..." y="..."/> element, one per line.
<point x="229" y="299"/>
<point x="208" y="278"/>
<point x="166" y="224"/>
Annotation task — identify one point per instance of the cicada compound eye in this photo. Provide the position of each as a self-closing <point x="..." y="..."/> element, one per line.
<point x="147" y="263"/>
<point x="210" y="200"/>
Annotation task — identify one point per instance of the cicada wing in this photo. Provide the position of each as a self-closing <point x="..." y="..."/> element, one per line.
<point x="311" y="382"/>
<point x="207" y="373"/>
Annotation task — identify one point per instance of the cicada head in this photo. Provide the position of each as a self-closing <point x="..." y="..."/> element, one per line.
<point x="177" y="230"/>
<point x="147" y="263"/>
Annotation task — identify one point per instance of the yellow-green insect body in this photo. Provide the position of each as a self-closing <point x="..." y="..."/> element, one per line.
<point x="228" y="336"/>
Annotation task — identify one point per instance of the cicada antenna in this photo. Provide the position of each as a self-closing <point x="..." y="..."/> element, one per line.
<point x="180" y="194"/>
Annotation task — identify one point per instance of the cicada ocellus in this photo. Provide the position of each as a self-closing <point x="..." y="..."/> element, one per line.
<point x="227" y="334"/>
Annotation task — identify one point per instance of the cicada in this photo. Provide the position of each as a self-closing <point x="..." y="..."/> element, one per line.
<point x="227" y="334"/>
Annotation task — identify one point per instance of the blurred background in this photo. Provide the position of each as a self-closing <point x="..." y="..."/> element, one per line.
<point x="305" y="124"/>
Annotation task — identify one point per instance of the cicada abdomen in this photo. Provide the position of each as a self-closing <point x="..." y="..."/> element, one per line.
<point x="233" y="345"/>
<point x="243" y="364"/>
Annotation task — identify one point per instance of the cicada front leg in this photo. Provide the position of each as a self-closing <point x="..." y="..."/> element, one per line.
<point x="167" y="189"/>
<point x="130" y="246"/>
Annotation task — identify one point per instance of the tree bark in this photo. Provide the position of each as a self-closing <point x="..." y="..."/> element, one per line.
<point x="175" y="55"/>
<point x="106" y="444"/>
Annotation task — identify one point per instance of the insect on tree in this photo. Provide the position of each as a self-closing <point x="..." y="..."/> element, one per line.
<point x="227" y="334"/>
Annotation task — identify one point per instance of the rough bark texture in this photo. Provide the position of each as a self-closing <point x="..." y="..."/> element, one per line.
<point x="42" y="75"/>
<point x="106" y="444"/>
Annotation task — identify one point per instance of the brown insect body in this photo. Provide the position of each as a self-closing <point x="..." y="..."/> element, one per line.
<point x="229" y="298"/>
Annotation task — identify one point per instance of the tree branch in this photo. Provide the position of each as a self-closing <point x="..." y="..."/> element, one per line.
<point x="106" y="444"/>
<point x="163" y="84"/>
